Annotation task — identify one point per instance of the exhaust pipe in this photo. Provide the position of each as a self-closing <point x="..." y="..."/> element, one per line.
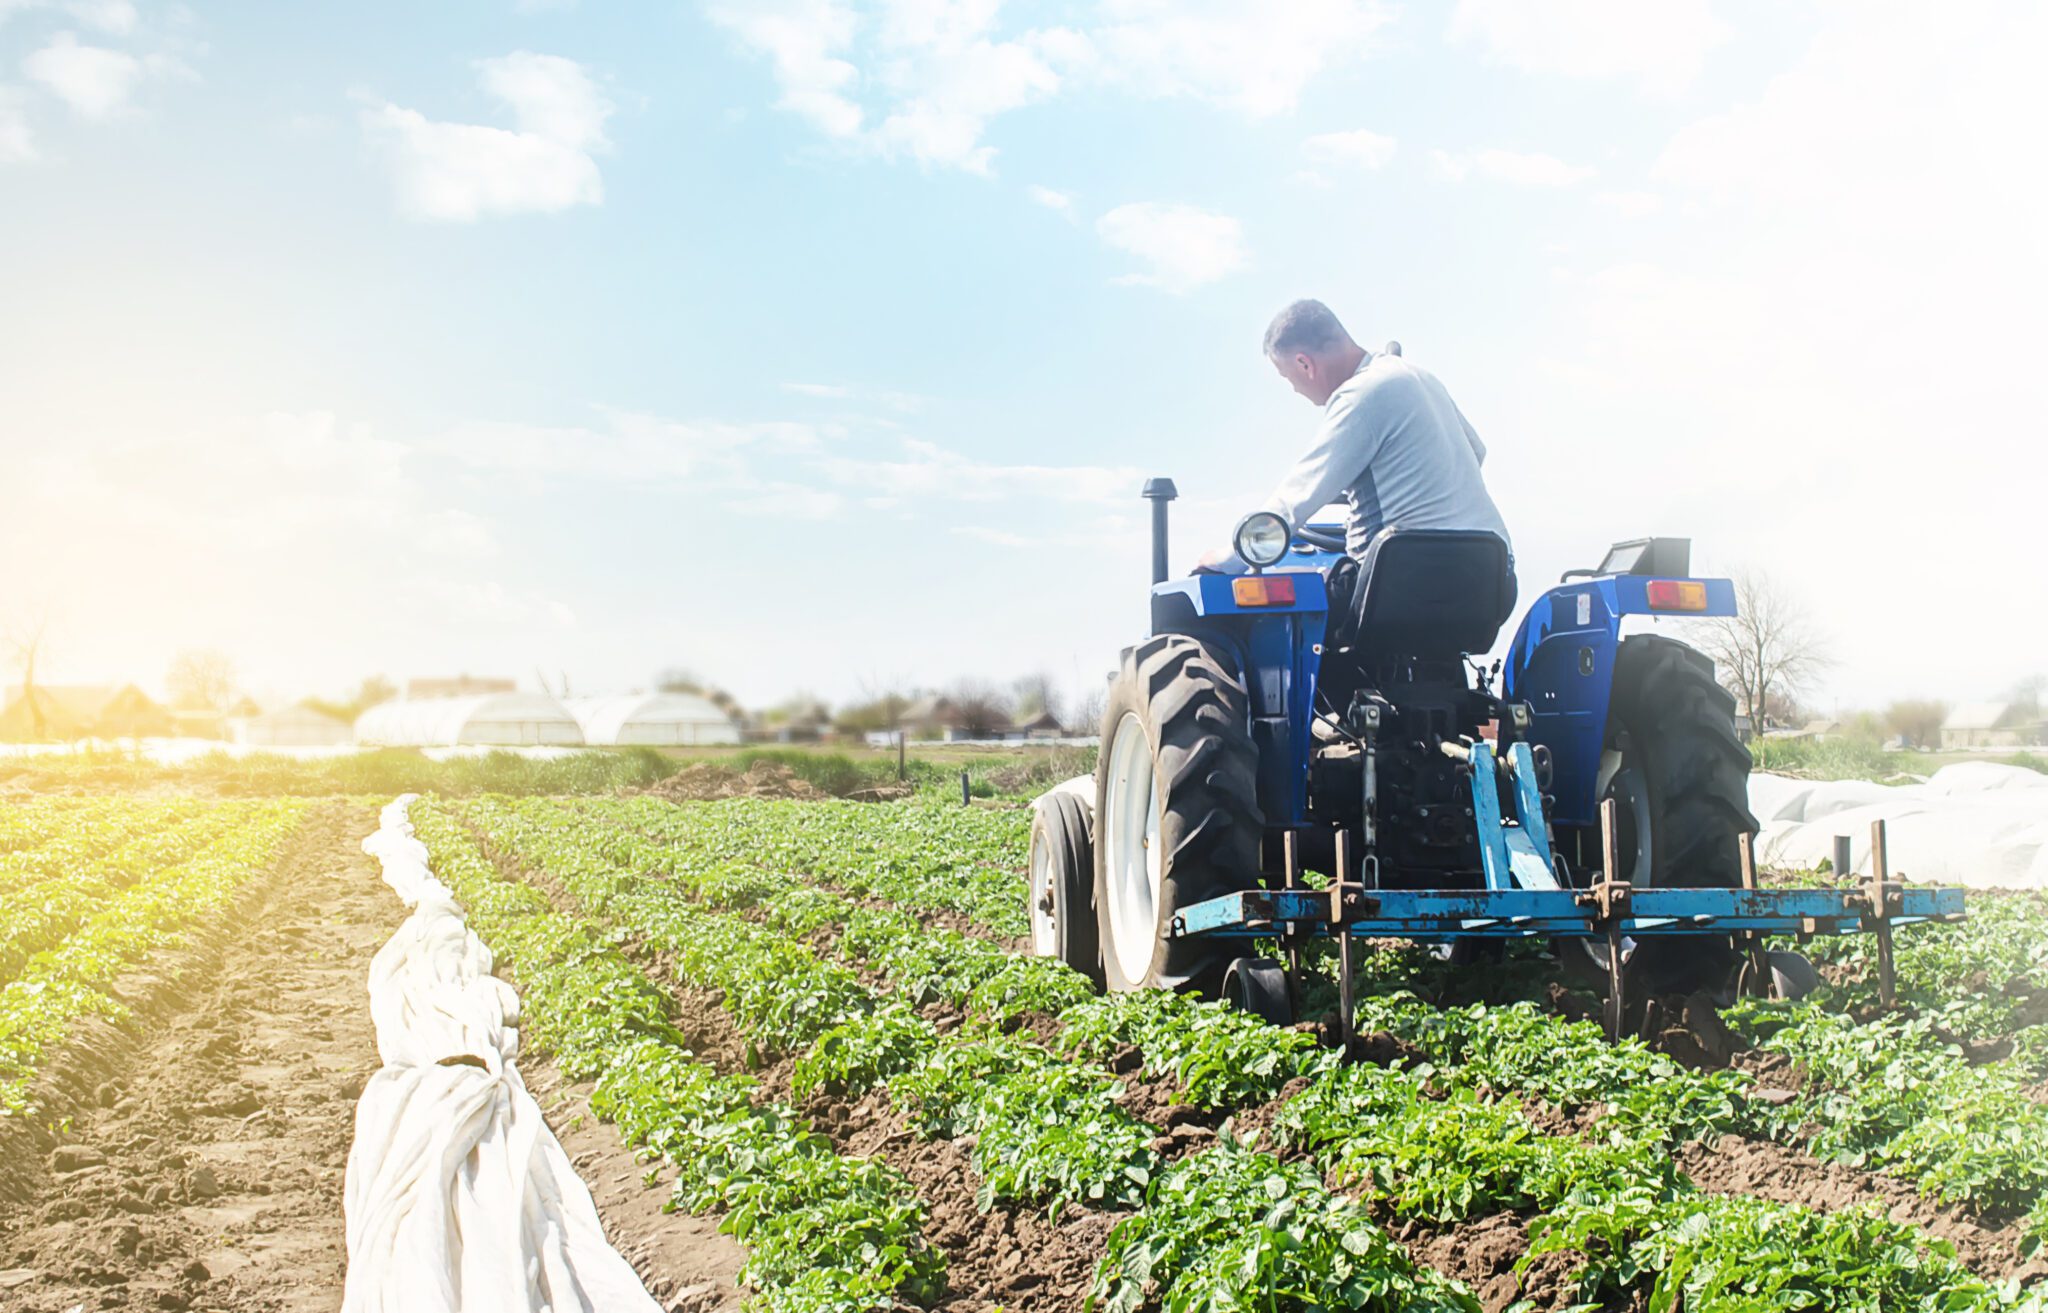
<point x="1159" y="492"/>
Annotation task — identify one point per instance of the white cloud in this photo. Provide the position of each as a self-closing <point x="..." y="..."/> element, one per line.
<point x="1662" y="46"/>
<point x="1629" y="204"/>
<point x="901" y="402"/>
<point x="1523" y="168"/>
<point x="92" y="80"/>
<point x="1357" y="149"/>
<point x="1050" y="199"/>
<point x="629" y="448"/>
<point x="461" y="171"/>
<point x="1251" y="56"/>
<point x="804" y="39"/>
<point x="116" y="17"/>
<point x="924" y="78"/>
<point x="926" y="470"/>
<point x="17" y="139"/>
<point x="949" y="77"/>
<point x="1185" y="247"/>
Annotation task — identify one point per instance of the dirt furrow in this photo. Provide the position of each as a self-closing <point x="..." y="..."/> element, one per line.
<point x="194" y="1154"/>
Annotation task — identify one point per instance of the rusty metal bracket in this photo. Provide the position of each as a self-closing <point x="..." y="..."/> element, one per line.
<point x="1883" y="900"/>
<point x="1609" y="898"/>
<point x="1759" y="975"/>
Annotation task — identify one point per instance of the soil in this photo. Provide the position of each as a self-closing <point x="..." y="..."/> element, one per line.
<point x="200" y="1145"/>
<point x="709" y="781"/>
<point x="1764" y="1170"/>
<point x="682" y="1259"/>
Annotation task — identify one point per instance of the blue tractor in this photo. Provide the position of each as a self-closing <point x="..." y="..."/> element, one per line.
<point x="1337" y="715"/>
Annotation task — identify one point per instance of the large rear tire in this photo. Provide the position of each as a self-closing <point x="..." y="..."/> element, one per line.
<point x="1177" y="817"/>
<point x="1680" y="780"/>
<point x="1063" y="921"/>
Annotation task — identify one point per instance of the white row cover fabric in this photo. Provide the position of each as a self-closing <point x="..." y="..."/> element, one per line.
<point x="652" y="719"/>
<point x="490" y="719"/>
<point x="458" y="1195"/>
<point x="1977" y="823"/>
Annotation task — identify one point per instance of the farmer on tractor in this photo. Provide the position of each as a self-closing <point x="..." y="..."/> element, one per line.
<point x="1392" y="444"/>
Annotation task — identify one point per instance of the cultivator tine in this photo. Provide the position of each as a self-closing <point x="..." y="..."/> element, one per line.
<point x="1881" y="893"/>
<point x="1759" y="963"/>
<point x="1290" y="879"/>
<point x="1608" y="913"/>
<point x="1347" y="1030"/>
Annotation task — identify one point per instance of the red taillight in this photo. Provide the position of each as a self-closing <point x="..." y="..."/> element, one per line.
<point x="1676" y="595"/>
<point x="1263" y="590"/>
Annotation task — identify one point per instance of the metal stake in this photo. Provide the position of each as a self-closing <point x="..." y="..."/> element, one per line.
<point x="966" y="795"/>
<point x="1759" y="962"/>
<point x="1347" y="1028"/>
<point x="1845" y="857"/>
<point x="1881" y="911"/>
<point x="1614" y="995"/>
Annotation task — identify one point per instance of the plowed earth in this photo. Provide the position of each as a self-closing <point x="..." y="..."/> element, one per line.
<point x="192" y="1155"/>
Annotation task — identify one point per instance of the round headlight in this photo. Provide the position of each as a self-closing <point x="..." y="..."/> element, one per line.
<point x="1262" y="538"/>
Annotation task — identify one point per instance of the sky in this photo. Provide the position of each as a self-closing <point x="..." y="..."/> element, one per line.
<point x="825" y="345"/>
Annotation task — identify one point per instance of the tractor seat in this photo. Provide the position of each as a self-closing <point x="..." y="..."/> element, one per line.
<point x="1430" y="593"/>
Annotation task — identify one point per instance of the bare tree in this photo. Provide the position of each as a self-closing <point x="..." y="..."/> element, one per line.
<point x="1088" y="710"/>
<point x="983" y="710"/>
<point x="678" y="679"/>
<point x="201" y="680"/>
<point x="1917" y="720"/>
<point x="1037" y="692"/>
<point x="2025" y="694"/>
<point x="1767" y="651"/>
<point x="26" y="642"/>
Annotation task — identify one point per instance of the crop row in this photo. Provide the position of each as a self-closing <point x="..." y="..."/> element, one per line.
<point x="822" y="1231"/>
<point x="921" y="855"/>
<point x="1209" y="1231"/>
<point x="38" y="914"/>
<point x="69" y="980"/>
<point x="1980" y="980"/>
<point x="1426" y="1147"/>
<point x="49" y="841"/>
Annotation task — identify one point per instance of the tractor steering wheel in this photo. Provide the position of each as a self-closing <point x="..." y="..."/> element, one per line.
<point x="1317" y="538"/>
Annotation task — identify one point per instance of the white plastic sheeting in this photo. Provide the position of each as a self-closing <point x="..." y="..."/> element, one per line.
<point x="458" y="1196"/>
<point x="489" y="719"/>
<point x="656" y="719"/>
<point x="1977" y="823"/>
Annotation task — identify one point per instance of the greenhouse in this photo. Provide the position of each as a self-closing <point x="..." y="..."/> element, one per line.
<point x="490" y="720"/>
<point x="654" y="719"/>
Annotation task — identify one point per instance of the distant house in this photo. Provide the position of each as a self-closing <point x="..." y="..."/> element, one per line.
<point x="934" y="717"/>
<point x="1044" y="725"/>
<point x="805" y="723"/>
<point x="461" y="686"/>
<point x="84" y="711"/>
<point x="1991" y="725"/>
<point x="199" y="723"/>
<point x="296" y="726"/>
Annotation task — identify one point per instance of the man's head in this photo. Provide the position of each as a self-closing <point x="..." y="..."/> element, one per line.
<point x="1311" y="350"/>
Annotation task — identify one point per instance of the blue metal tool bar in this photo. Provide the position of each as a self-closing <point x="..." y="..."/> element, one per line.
<point x="1514" y="913"/>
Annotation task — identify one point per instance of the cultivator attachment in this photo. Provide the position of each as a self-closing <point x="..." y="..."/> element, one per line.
<point x="1611" y="910"/>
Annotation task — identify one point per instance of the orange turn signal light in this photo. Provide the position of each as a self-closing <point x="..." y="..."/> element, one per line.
<point x="1263" y="590"/>
<point x="1676" y="595"/>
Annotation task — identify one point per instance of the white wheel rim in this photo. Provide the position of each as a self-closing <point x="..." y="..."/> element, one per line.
<point x="1132" y="859"/>
<point x="1044" y="940"/>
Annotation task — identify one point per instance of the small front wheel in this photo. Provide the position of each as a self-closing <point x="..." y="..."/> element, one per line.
<point x="1258" y="985"/>
<point x="1063" y="920"/>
